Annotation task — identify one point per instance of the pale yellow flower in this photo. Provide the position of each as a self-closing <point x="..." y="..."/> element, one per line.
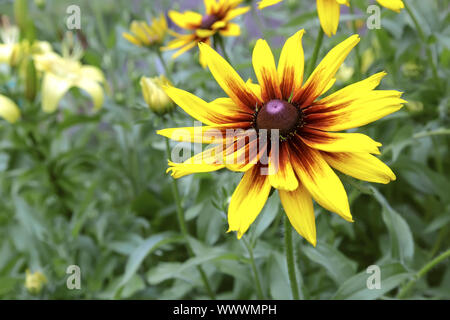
<point x="34" y="282"/>
<point x="12" y="51"/>
<point x="143" y="34"/>
<point x="8" y="109"/>
<point x="154" y="95"/>
<point x="63" y="73"/>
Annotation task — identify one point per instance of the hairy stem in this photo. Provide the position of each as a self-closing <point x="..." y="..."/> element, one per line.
<point x="290" y="258"/>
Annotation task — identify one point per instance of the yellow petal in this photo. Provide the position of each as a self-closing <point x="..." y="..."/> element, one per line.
<point x="395" y="5"/>
<point x="231" y="30"/>
<point x="53" y="89"/>
<point x="267" y="3"/>
<point x="291" y="65"/>
<point x="204" y="33"/>
<point x="6" y="52"/>
<point x="326" y="70"/>
<point x="131" y="39"/>
<point x="328" y="11"/>
<point x="202" y="134"/>
<point x="299" y="208"/>
<point x="320" y="180"/>
<point x="338" y="142"/>
<point x="247" y="200"/>
<point x="355" y="112"/>
<point x="362" y="166"/>
<point x="266" y="71"/>
<point x="236" y="12"/>
<point x="186" y="20"/>
<point x="187" y="47"/>
<point x="94" y="89"/>
<point x="208" y="113"/>
<point x="206" y="161"/>
<point x="93" y="73"/>
<point x="9" y="110"/>
<point x="281" y="174"/>
<point x="228" y="79"/>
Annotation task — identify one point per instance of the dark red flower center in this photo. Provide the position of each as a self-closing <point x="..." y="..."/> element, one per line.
<point x="281" y="115"/>
<point x="208" y="20"/>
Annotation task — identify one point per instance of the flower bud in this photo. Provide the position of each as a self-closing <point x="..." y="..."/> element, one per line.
<point x="155" y="97"/>
<point x="34" y="282"/>
<point x="9" y="110"/>
<point x="31" y="80"/>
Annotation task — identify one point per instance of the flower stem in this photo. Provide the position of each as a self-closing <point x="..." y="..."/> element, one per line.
<point x="163" y="63"/>
<point x="424" y="40"/>
<point x="315" y="54"/>
<point x="259" y="291"/>
<point x="184" y="231"/>
<point x="405" y="289"/>
<point x="290" y="258"/>
<point x="219" y="40"/>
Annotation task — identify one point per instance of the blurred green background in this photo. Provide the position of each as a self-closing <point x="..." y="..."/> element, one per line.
<point x="100" y="198"/>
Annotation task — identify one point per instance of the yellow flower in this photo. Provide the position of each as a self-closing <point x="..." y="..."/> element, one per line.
<point x="217" y="19"/>
<point x="329" y="11"/>
<point x="61" y="74"/>
<point x="154" y="95"/>
<point x="308" y="123"/>
<point x="34" y="282"/>
<point x="12" y="51"/>
<point x="9" y="110"/>
<point x="143" y="34"/>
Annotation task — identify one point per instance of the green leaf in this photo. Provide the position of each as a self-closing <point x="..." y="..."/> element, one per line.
<point x="401" y="236"/>
<point x="355" y="288"/>
<point x="337" y="265"/>
<point x="140" y="253"/>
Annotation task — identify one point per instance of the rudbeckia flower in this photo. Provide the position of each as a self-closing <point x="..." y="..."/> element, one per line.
<point x="329" y="11"/>
<point x="63" y="73"/>
<point x="8" y="109"/>
<point x="217" y="19"/>
<point x="308" y="123"/>
<point x="143" y="34"/>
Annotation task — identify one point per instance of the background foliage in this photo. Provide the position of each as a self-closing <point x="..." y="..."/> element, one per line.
<point x="92" y="189"/>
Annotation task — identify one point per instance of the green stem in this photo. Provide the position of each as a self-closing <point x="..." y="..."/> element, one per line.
<point x="405" y="289"/>
<point x="184" y="231"/>
<point x="290" y="258"/>
<point x="424" y="40"/>
<point x="259" y="291"/>
<point x="313" y="60"/>
<point x="218" y="42"/>
<point x="357" y="52"/>
<point x="166" y="69"/>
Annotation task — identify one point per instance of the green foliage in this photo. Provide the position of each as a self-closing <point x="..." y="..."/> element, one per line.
<point x="90" y="189"/>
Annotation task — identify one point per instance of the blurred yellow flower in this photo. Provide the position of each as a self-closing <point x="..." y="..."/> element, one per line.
<point x="217" y="19"/>
<point x="11" y="50"/>
<point x="154" y="95"/>
<point x="8" y="109"/>
<point x="63" y="73"/>
<point x="34" y="282"/>
<point x="329" y="11"/>
<point x="143" y="34"/>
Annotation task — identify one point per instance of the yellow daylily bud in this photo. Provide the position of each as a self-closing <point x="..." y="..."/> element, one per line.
<point x="34" y="282"/>
<point x="9" y="110"/>
<point x="154" y="95"/>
